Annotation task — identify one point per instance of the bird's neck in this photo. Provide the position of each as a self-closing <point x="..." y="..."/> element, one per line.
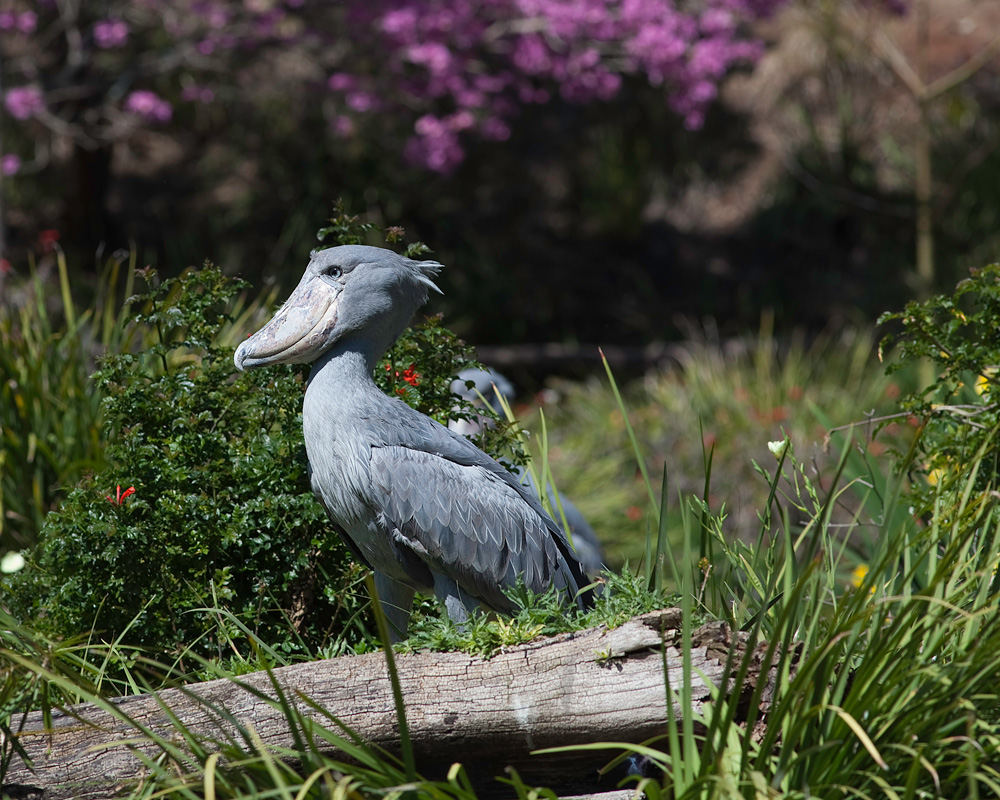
<point x="346" y="368"/>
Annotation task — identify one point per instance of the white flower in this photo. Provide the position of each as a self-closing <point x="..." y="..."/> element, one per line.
<point x="11" y="562"/>
<point x="778" y="448"/>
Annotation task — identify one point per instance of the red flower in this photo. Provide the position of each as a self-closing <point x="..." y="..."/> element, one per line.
<point x="120" y="496"/>
<point x="410" y="375"/>
<point x="47" y="240"/>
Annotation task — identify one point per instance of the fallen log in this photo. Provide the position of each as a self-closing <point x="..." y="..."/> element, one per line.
<point x="594" y="686"/>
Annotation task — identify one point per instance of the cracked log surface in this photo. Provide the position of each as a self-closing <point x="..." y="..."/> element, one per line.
<point x="595" y="685"/>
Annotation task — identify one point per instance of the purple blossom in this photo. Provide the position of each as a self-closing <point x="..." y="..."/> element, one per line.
<point x="460" y="120"/>
<point x="342" y="126"/>
<point x="110" y="33"/>
<point x="341" y="82"/>
<point x="10" y="164"/>
<point x="435" y="145"/>
<point x="432" y="55"/>
<point x="23" y="102"/>
<point x="399" y="20"/>
<point x="531" y="55"/>
<point x="716" y="21"/>
<point x="149" y="106"/>
<point x="25" y="22"/>
<point x="710" y="58"/>
<point x="449" y="71"/>
<point x="267" y="25"/>
<point x="484" y="60"/>
<point x="200" y="94"/>
<point x="361" y="101"/>
<point x="495" y="129"/>
<point x="215" y="15"/>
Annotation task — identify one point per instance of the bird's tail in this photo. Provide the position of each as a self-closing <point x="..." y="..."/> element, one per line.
<point x="578" y="585"/>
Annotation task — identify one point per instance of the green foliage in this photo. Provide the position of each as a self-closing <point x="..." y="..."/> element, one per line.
<point x="344" y="228"/>
<point x="420" y="369"/>
<point x="222" y="514"/>
<point x="620" y="597"/>
<point x="724" y="398"/>
<point x="873" y="678"/>
<point x="887" y="689"/>
<point x="959" y="412"/>
<point x="883" y="682"/>
<point x="50" y="413"/>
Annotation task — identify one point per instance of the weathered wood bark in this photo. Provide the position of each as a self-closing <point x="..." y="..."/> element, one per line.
<point x="598" y="685"/>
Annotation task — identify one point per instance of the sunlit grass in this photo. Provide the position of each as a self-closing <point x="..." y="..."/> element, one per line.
<point x="873" y="613"/>
<point x="729" y="399"/>
<point x="886" y="681"/>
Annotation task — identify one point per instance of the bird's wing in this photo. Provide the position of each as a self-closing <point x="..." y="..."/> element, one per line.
<point x="411" y="429"/>
<point x="468" y="524"/>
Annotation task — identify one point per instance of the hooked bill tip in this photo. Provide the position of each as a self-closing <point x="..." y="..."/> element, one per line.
<point x="238" y="357"/>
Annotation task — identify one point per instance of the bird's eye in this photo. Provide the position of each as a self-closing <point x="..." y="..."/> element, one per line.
<point x="334" y="272"/>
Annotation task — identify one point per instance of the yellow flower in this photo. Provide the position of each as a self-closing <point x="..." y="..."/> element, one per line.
<point x="859" y="574"/>
<point x="983" y="381"/>
<point x="934" y="476"/>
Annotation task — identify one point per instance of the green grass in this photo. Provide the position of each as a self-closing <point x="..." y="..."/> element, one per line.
<point x="727" y="399"/>
<point x="50" y="415"/>
<point x="886" y="682"/>
<point x="886" y="689"/>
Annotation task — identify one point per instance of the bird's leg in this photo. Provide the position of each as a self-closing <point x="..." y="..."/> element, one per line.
<point x="457" y="603"/>
<point x="396" y="600"/>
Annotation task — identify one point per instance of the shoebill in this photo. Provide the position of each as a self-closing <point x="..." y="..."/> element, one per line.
<point x="423" y="507"/>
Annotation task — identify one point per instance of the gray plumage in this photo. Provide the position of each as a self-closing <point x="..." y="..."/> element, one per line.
<point x="491" y="386"/>
<point x="422" y="506"/>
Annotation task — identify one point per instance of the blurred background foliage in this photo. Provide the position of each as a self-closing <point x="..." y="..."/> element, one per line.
<point x="714" y="411"/>
<point x="616" y="216"/>
<point x="795" y="194"/>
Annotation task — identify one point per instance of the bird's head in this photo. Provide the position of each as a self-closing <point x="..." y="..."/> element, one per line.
<point x="349" y="290"/>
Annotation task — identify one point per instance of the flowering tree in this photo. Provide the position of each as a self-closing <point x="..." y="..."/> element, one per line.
<point x="443" y="70"/>
<point x="95" y="72"/>
<point x="423" y="78"/>
<point x="458" y="68"/>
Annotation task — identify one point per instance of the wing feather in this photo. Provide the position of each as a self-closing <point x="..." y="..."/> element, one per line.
<point x="468" y="524"/>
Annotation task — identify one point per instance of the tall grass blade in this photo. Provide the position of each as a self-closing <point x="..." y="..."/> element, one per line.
<point x="639" y="458"/>
<point x="397" y="692"/>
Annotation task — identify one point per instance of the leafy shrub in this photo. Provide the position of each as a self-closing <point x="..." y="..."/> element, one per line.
<point x="202" y="532"/>
<point x="958" y="411"/>
<point x="221" y="514"/>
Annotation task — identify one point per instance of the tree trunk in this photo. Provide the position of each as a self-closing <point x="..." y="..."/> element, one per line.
<point x="597" y="685"/>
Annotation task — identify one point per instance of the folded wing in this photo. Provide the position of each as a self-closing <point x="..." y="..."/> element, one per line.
<point x="470" y="523"/>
